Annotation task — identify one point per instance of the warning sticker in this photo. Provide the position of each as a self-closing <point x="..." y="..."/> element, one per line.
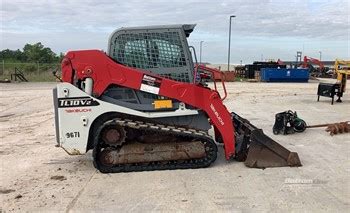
<point x="150" y="84"/>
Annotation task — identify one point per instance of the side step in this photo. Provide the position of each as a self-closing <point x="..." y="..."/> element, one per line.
<point x="257" y="150"/>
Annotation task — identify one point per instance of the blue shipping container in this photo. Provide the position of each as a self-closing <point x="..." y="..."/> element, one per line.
<point x="284" y="75"/>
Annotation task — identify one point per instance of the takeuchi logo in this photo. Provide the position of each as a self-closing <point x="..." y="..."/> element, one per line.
<point x="217" y="114"/>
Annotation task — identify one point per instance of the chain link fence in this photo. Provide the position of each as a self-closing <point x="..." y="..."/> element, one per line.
<point x="32" y="71"/>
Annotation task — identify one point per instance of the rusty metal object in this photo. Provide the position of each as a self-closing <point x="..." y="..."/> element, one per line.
<point x="151" y="152"/>
<point x="114" y="135"/>
<point x="265" y="152"/>
<point x="342" y="127"/>
<point x="334" y="128"/>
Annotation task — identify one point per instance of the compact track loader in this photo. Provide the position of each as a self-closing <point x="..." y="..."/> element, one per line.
<point x="145" y="105"/>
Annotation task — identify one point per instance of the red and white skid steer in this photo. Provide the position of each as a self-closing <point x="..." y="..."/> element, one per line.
<point x="145" y="105"/>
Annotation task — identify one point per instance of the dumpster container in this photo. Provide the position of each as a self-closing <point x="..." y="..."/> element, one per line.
<point x="284" y="75"/>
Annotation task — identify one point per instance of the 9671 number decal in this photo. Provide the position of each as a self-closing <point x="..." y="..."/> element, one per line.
<point x="73" y="134"/>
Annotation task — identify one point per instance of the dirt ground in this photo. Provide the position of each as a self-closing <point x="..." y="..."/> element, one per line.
<point x="37" y="176"/>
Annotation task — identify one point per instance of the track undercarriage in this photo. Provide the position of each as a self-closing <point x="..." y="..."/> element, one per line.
<point x="124" y="145"/>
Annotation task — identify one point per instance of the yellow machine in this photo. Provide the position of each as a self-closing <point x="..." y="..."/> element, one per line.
<point x="342" y="69"/>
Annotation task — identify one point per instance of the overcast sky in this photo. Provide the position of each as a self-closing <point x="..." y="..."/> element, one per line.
<point x="268" y="29"/>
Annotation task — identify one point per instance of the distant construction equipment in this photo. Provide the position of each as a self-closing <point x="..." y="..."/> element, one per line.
<point x="309" y="63"/>
<point x="342" y="70"/>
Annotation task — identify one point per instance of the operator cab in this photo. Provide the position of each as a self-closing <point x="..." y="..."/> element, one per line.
<point x="159" y="49"/>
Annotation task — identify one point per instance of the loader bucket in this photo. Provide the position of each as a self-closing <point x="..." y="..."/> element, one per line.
<point x="265" y="152"/>
<point x="257" y="150"/>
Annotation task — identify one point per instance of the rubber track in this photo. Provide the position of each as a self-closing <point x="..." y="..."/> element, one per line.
<point x="193" y="134"/>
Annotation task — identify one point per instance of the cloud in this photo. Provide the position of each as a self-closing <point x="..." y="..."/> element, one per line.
<point x="78" y="23"/>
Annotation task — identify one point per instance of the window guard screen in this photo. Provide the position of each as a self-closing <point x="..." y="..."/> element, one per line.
<point x="152" y="51"/>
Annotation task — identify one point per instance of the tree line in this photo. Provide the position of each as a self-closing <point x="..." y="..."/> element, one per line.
<point x="31" y="53"/>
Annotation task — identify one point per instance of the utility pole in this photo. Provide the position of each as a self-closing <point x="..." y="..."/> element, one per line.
<point x="229" y="44"/>
<point x="200" y="52"/>
<point x="320" y="55"/>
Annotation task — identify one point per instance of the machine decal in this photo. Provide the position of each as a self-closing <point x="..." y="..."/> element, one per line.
<point x="76" y="102"/>
<point x="217" y="114"/>
<point x="73" y="134"/>
<point x="77" y="110"/>
<point x="150" y="84"/>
